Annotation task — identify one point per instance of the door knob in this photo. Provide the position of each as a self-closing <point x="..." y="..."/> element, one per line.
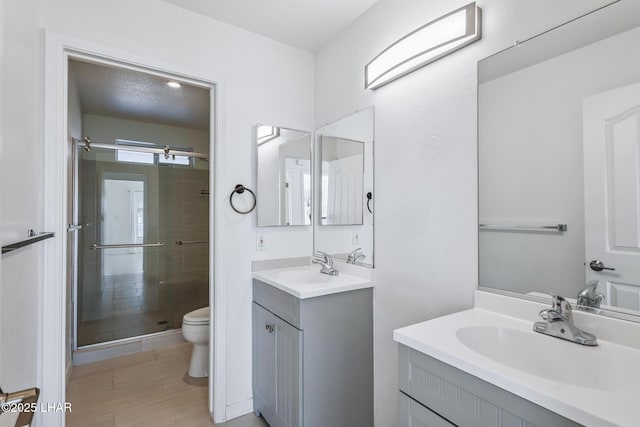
<point x="597" y="265"/>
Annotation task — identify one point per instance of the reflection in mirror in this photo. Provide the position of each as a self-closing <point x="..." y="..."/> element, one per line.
<point x="559" y="143"/>
<point x="283" y="176"/>
<point x="344" y="189"/>
<point x="341" y="186"/>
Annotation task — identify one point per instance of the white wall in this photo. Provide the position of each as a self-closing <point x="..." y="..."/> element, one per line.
<point x="21" y="177"/>
<point x="165" y="34"/>
<point x="426" y="204"/>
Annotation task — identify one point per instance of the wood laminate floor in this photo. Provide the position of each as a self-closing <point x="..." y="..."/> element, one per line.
<point x="142" y="390"/>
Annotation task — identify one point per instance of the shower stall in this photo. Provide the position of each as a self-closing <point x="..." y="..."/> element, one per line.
<point x="142" y="251"/>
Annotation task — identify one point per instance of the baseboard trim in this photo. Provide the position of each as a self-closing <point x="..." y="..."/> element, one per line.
<point x="238" y="409"/>
<point x="125" y="347"/>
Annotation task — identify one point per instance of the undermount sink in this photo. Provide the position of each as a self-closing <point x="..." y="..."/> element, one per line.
<point x="546" y="357"/>
<point x="303" y="276"/>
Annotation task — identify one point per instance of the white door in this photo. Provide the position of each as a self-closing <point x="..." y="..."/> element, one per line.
<point x="297" y="189"/>
<point x="345" y="191"/>
<point x="612" y="194"/>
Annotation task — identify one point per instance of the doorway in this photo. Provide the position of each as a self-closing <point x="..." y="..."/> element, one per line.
<point x="140" y="205"/>
<point x="57" y="313"/>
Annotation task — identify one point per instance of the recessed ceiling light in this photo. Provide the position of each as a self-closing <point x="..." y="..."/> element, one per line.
<point x="174" y="85"/>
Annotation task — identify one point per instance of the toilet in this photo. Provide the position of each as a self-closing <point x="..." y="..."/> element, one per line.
<point x="195" y="329"/>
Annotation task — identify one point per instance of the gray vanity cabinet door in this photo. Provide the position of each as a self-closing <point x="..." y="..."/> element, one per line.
<point x="264" y="360"/>
<point x="277" y="363"/>
<point x="289" y="374"/>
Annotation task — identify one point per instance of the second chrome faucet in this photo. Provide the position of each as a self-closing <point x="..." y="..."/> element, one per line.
<point x="559" y="323"/>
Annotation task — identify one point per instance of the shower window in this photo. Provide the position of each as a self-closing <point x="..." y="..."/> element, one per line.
<point x="135" y="157"/>
<point x="152" y="158"/>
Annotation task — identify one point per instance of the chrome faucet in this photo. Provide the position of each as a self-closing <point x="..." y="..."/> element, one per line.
<point x="559" y="323"/>
<point x="355" y="256"/>
<point x="327" y="264"/>
<point x="588" y="296"/>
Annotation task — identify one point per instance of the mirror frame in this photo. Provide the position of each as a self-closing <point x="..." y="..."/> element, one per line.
<point x="539" y="299"/>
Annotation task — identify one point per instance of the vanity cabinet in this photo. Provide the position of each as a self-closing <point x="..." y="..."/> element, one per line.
<point x="434" y="394"/>
<point x="313" y="358"/>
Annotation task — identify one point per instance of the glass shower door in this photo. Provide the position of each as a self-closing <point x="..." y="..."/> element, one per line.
<point x="132" y="208"/>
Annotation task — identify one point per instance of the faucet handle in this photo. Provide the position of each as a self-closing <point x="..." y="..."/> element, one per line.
<point x="560" y="304"/>
<point x="327" y="257"/>
<point x="588" y="296"/>
<point x="354" y="256"/>
<point x="551" y="315"/>
<point x="354" y="252"/>
<point x="562" y="307"/>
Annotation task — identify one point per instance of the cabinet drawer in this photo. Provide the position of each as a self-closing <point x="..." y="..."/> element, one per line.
<point x="466" y="400"/>
<point x="282" y="304"/>
<point x="413" y="414"/>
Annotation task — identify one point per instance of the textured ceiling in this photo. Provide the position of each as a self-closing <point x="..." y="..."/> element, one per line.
<point x="134" y="95"/>
<point x="308" y="24"/>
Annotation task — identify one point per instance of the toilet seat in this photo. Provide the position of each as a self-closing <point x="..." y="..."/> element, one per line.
<point x="197" y="317"/>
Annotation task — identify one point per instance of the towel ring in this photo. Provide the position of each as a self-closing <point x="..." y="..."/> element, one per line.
<point x="240" y="189"/>
<point x="369" y="197"/>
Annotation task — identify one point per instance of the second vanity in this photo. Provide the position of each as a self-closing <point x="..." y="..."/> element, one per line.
<point x="312" y="348"/>
<point x="486" y="367"/>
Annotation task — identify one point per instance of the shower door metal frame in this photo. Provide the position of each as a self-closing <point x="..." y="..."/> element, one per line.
<point x="75" y="227"/>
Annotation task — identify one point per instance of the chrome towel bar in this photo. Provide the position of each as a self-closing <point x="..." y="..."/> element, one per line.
<point x="555" y="227"/>
<point x="34" y="236"/>
<point x="127" y="245"/>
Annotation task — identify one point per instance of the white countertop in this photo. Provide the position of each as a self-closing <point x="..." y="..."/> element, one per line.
<point x="613" y="401"/>
<point x="308" y="282"/>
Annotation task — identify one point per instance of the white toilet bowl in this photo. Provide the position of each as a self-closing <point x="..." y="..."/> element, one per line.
<point x="195" y="329"/>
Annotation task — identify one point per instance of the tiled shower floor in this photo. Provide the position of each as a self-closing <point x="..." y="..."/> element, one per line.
<point x="131" y="306"/>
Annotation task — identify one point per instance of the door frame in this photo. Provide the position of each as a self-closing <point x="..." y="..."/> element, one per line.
<point x="58" y="49"/>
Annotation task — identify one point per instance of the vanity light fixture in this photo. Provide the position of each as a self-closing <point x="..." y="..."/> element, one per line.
<point x="427" y="44"/>
<point x="174" y="85"/>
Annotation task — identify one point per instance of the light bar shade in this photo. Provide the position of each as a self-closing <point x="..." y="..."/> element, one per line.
<point x="427" y="44"/>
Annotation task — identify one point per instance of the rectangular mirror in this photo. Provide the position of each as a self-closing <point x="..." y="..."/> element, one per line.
<point x="283" y="176"/>
<point x="559" y="150"/>
<point x="344" y="188"/>
<point x="342" y="172"/>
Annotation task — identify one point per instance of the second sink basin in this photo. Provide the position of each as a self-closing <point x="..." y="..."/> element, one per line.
<point x="544" y="356"/>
